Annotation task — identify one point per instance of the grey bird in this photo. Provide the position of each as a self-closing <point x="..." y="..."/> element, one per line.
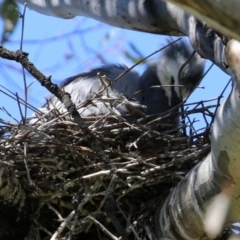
<point x="175" y="84"/>
<point x="159" y="88"/>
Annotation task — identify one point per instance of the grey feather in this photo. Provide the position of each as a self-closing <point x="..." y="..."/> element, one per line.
<point x="164" y="71"/>
<point x="86" y="86"/>
<point x="151" y="88"/>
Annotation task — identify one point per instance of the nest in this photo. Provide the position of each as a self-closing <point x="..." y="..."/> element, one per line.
<point x="75" y="195"/>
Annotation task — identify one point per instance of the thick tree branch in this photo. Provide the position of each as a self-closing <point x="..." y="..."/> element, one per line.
<point x="148" y="16"/>
<point x="218" y="172"/>
<point x="221" y="15"/>
<point x="153" y="16"/>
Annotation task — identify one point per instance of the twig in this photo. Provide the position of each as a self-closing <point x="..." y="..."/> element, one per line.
<point x="63" y="225"/>
<point x="109" y="207"/>
<point x="102" y="173"/>
<point x="64" y="97"/>
<point x="26" y="164"/>
<point x="145" y="59"/>
<point x="98" y="224"/>
<point x="180" y="89"/>
<point x="22" y="16"/>
<point x="19" y="107"/>
<point x="55" y="211"/>
<point x="20" y="99"/>
<point x="5" y="110"/>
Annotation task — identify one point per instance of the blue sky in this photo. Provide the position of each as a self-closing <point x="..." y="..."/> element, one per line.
<point x="62" y="48"/>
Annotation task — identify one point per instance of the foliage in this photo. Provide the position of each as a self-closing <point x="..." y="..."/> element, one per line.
<point x="9" y="18"/>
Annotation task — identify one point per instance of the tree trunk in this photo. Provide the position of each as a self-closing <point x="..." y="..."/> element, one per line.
<point x="183" y="213"/>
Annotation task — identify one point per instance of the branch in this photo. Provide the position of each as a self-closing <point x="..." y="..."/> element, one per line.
<point x="109" y="207"/>
<point x="64" y="97"/>
<point x="154" y="16"/>
<point x="140" y="15"/>
<point x="217" y="175"/>
<point x="221" y="15"/>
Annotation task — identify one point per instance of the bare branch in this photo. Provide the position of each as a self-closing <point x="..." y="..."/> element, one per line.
<point x="64" y="97"/>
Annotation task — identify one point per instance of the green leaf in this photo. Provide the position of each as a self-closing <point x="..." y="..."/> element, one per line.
<point x="9" y="15"/>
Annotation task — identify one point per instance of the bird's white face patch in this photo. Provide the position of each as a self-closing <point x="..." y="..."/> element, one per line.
<point x="166" y="73"/>
<point x="171" y="71"/>
<point x="166" y="82"/>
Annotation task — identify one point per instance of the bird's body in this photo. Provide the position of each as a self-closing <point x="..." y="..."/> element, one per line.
<point x="94" y="97"/>
<point x="158" y="88"/>
<point x="86" y="86"/>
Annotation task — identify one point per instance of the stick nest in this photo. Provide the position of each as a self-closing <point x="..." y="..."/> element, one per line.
<point x="76" y="196"/>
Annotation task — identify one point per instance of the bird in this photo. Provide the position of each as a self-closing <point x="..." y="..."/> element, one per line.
<point x="173" y="80"/>
<point x="164" y="83"/>
<point x="95" y="95"/>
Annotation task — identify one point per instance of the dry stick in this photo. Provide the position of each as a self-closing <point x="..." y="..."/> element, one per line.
<point x="22" y="16"/>
<point x="5" y="111"/>
<point x="55" y="211"/>
<point x="25" y="144"/>
<point x="64" y="97"/>
<point x="42" y="228"/>
<point x="175" y="160"/>
<point x="129" y="223"/>
<point x="21" y="101"/>
<point x="142" y="60"/>
<point x="63" y="225"/>
<point x="108" y="207"/>
<point x="79" y="209"/>
<point x="103" y="81"/>
<point x="181" y="97"/>
<point x="129" y="69"/>
<point x="191" y="129"/>
<point x="98" y="224"/>
<point x="19" y="107"/>
<point x="68" y="219"/>
<point x="204" y="114"/>
<point x="188" y="112"/>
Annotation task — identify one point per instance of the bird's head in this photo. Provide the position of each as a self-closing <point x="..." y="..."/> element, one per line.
<point x="176" y="73"/>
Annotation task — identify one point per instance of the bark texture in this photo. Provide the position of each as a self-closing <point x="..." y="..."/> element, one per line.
<point x="221" y="15"/>
<point x="154" y="16"/>
<point x="183" y="213"/>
